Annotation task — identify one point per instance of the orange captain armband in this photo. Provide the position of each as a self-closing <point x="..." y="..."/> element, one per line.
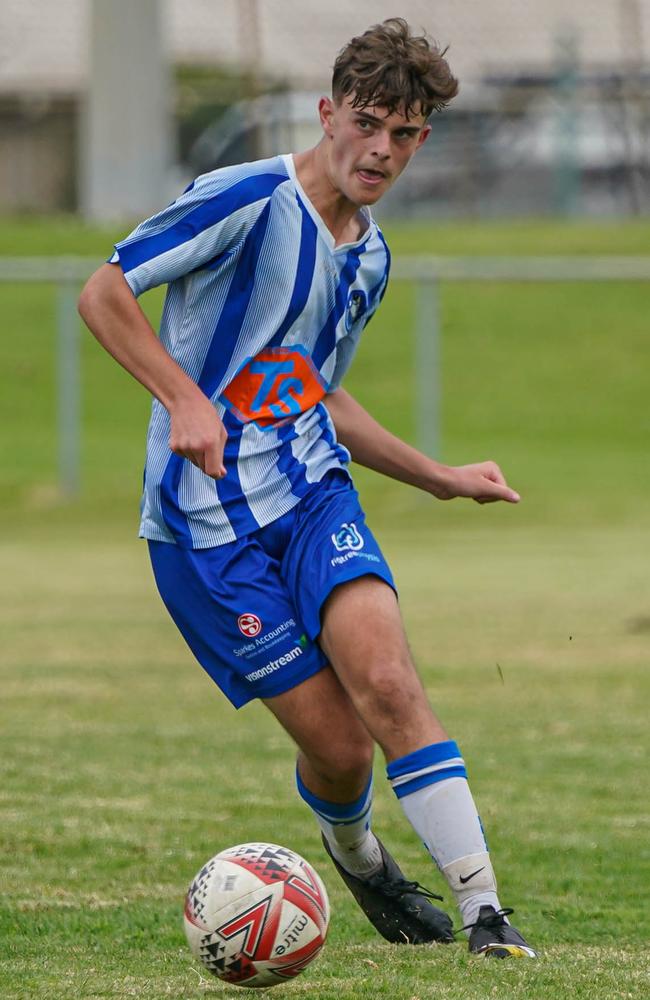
<point x="275" y="386"/>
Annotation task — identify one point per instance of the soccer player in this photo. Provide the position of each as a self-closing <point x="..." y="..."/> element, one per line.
<point x="258" y="542"/>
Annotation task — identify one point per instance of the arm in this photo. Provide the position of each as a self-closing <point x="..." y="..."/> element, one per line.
<point x="372" y="445"/>
<point x="112" y="314"/>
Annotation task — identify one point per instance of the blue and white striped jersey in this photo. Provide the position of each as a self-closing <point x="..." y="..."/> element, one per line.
<point x="264" y="313"/>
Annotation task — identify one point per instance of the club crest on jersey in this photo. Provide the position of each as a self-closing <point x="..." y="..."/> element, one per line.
<point x="347" y="538"/>
<point x="356" y="307"/>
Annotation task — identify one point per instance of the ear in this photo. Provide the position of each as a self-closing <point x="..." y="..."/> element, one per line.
<point x="326" y="114"/>
<point x="423" y="136"/>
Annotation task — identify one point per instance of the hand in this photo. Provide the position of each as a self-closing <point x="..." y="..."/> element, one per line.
<point x="198" y="434"/>
<point x="483" y="482"/>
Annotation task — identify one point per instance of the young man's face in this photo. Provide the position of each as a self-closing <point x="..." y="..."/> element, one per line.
<point x="367" y="148"/>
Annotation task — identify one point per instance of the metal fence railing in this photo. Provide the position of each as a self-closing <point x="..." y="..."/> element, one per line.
<point x="67" y="274"/>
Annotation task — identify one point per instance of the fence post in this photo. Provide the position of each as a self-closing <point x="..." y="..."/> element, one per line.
<point x="567" y="178"/>
<point x="68" y="388"/>
<point x="427" y="375"/>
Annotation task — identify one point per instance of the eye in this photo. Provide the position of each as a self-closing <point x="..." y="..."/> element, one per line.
<point x="364" y="125"/>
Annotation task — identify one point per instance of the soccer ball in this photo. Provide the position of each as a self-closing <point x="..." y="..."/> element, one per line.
<point x="256" y="914"/>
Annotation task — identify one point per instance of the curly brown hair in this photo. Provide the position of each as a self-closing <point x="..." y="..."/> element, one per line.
<point x="394" y="69"/>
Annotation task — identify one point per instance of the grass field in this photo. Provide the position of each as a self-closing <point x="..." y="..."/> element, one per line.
<point x="121" y="767"/>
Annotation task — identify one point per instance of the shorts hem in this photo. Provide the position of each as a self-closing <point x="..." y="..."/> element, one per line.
<point x="286" y="683"/>
<point x="313" y="625"/>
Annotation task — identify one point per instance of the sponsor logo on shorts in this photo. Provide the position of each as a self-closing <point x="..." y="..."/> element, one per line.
<point x="341" y="560"/>
<point x="262" y="642"/>
<point x="347" y="538"/>
<point x="273" y="665"/>
<point x="249" y="625"/>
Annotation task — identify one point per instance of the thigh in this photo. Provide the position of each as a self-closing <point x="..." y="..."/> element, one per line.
<point x="364" y="640"/>
<point x="232" y="607"/>
<point x="330" y="544"/>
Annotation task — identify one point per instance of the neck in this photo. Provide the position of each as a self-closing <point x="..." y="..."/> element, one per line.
<point x="341" y="216"/>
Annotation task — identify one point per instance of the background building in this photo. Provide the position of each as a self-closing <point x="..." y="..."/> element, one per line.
<point x="553" y="114"/>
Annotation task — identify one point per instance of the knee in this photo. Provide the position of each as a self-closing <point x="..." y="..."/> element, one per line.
<point x="344" y="763"/>
<point x="393" y="693"/>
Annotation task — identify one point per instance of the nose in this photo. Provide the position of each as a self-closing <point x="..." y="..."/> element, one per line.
<point x="381" y="145"/>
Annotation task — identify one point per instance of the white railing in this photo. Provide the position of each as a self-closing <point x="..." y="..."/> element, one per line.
<point x="69" y="273"/>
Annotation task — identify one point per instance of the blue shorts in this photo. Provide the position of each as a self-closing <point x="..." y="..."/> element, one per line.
<point x="250" y="610"/>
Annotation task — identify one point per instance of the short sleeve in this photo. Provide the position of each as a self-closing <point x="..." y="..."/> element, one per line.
<point x="207" y="222"/>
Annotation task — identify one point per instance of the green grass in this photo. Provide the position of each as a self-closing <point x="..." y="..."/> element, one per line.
<point x="122" y="769"/>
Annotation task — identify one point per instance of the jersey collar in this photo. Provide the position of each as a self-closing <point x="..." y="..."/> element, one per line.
<point x="318" y="219"/>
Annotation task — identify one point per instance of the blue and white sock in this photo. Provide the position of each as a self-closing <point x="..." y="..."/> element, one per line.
<point x="346" y="828"/>
<point x="431" y="785"/>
